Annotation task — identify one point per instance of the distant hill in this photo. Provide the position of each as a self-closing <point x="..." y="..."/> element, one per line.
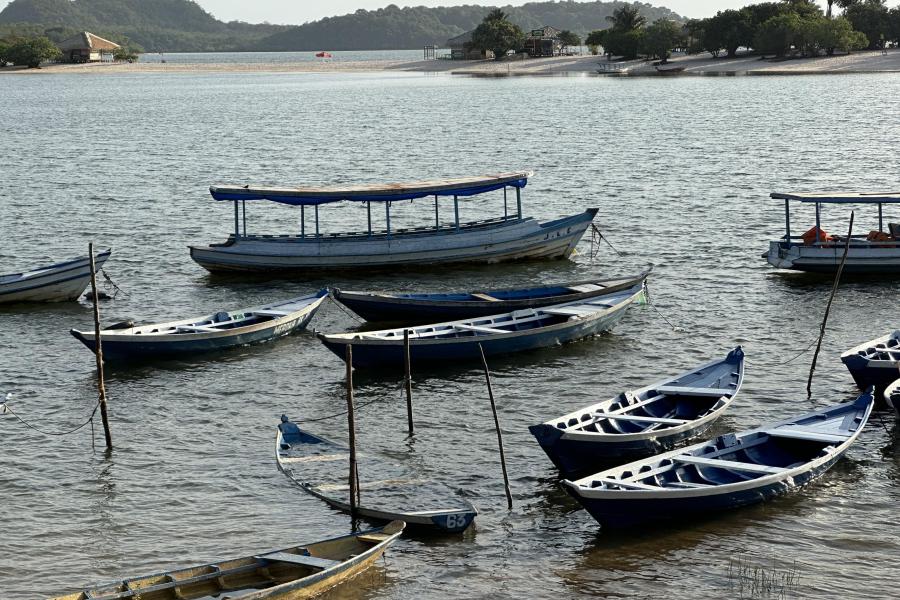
<point x="183" y="26"/>
<point x="392" y="27"/>
<point x="155" y="25"/>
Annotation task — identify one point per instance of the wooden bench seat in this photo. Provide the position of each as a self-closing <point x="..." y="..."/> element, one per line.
<point x="568" y="311"/>
<point x="479" y="328"/>
<point x="802" y="434"/>
<point x="732" y="465"/>
<point x="198" y="328"/>
<point x="272" y="313"/>
<point x="637" y="419"/>
<point x="703" y="392"/>
<point x="631" y="485"/>
<point x="313" y="562"/>
<point x="586" y="287"/>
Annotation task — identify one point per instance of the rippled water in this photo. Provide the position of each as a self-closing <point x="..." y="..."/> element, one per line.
<point x="282" y="57"/>
<point x="681" y="169"/>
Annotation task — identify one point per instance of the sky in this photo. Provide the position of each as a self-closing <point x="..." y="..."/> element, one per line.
<point x="295" y="12"/>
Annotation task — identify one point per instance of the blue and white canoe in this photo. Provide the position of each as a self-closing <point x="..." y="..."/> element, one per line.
<point x="55" y="283"/>
<point x="445" y="306"/>
<point x="876" y="362"/>
<point x="217" y="331"/>
<point x="645" y="421"/>
<point x="387" y="493"/>
<point x="892" y="396"/>
<point x="724" y="473"/>
<point x="498" y="334"/>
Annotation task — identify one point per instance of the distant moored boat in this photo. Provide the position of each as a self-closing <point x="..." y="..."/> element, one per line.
<point x="323" y="55"/>
<point x="55" y="283"/>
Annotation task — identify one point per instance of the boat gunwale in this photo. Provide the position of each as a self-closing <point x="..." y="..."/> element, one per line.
<point x="99" y="257"/>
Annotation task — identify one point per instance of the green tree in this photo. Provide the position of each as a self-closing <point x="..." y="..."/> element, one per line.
<point x="4" y="51"/>
<point x="872" y="18"/>
<point x="661" y="37"/>
<point x="728" y="30"/>
<point x="595" y="40"/>
<point x="778" y="35"/>
<point x="838" y="34"/>
<point x="626" y="44"/>
<point x="497" y="34"/>
<point x="567" y="38"/>
<point x="627" y="18"/>
<point x="695" y="29"/>
<point x="32" y="52"/>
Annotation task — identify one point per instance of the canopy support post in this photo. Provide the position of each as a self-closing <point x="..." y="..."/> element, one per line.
<point x="880" y="217"/>
<point x="437" y="216"/>
<point x="237" y="228"/>
<point x="244" y="210"/>
<point x="369" y="211"/>
<point x="302" y="221"/>
<point x="387" y="216"/>
<point x="317" y="221"/>
<point x="456" y="210"/>
<point x="505" y="210"/>
<point x="519" y="201"/>
<point x="787" y="221"/>
<point x="818" y="224"/>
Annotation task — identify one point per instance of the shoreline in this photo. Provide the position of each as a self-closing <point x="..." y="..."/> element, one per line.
<point x="695" y="65"/>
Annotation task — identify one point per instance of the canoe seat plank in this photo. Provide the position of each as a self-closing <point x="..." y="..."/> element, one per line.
<point x="567" y="311"/>
<point x="625" y="417"/>
<point x="728" y="464"/>
<point x="478" y="328"/>
<point x="485" y="297"/>
<point x="584" y="288"/>
<point x="198" y="328"/>
<point x="298" y="559"/>
<point x="373" y="538"/>
<point x="632" y="485"/>
<point x="804" y="434"/>
<point x="704" y="392"/>
<point x="271" y="313"/>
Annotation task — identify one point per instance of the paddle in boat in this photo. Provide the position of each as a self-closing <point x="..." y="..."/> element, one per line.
<point x="645" y="421"/>
<point x="217" y="331"/>
<point x="302" y="571"/>
<point x="509" y="237"/>
<point x="413" y="308"/>
<point x="876" y="362"/>
<point x="54" y="283"/>
<point x="877" y="251"/>
<point x="320" y="467"/>
<point x="505" y="333"/>
<point x="892" y="396"/>
<point x="727" y="472"/>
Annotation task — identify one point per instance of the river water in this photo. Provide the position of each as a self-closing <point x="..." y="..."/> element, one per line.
<point x="681" y="169"/>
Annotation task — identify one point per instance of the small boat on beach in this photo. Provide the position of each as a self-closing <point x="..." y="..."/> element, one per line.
<point x="892" y="396"/>
<point x="387" y="493"/>
<point x="293" y="573"/>
<point x="508" y="237"/>
<point x="324" y="55"/>
<point x="505" y="333"/>
<point x="54" y="283"/>
<point x="645" y="421"/>
<point x="875" y="252"/>
<point x="670" y="69"/>
<point x="875" y="363"/>
<point x="724" y="473"/>
<point x="216" y="331"/>
<point x="414" y="308"/>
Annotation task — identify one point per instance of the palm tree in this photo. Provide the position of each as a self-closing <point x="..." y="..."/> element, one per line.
<point x="627" y="18"/>
<point x="495" y="15"/>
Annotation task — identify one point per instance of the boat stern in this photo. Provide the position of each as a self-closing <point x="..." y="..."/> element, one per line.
<point x="782" y="257"/>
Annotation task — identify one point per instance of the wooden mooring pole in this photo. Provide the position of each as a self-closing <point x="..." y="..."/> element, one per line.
<point x="834" y="287"/>
<point x="98" y="350"/>
<point x="408" y="380"/>
<point x="351" y="425"/>
<point x="487" y="376"/>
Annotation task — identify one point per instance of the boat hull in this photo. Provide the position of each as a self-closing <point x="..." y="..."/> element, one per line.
<point x="816" y="259"/>
<point x="875" y="363"/>
<point x="58" y="283"/>
<point x="506" y="241"/>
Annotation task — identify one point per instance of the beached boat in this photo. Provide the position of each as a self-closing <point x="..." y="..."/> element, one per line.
<point x="498" y="334"/>
<point x="875" y="363"/>
<point x="302" y="571"/>
<point x="645" y="421"/>
<point x="724" y="473"/>
<point x="217" y="331"/>
<point x="670" y="69"/>
<point x="387" y="492"/>
<point x="324" y="55"/>
<point x="877" y="251"/>
<point x="423" y="308"/>
<point x="55" y="283"/>
<point x="510" y="237"/>
<point x="892" y="396"/>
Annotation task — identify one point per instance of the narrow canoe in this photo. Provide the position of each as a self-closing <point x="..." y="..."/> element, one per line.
<point x="645" y="421"/>
<point x="414" y="308"/>
<point x="892" y="396"/>
<point x="506" y="333"/>
<point x="724" y="473"/>
<point x="217" y="331"/>
<point x="292" y="573"/>
<point x="55" y="283"/>
<point x="876" y="362"/>
<point x="320" y="467"/>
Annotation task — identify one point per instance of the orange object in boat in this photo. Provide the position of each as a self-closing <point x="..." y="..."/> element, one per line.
<point x="809" y="238"/>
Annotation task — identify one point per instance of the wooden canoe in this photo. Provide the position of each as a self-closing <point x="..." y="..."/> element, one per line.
<point x="292" y="573"/>
<point x="417" y="308"/>
<point x="875" y="362"/>
<point x="54" y="283"/>
<point x="320" y="467"/>
<point x="216" y="331"/>
<point x="724" y="473"/>
<point x="644" y="421"/>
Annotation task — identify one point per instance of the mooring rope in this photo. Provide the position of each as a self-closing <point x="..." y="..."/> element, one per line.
<point x="595" y="229"/>
<point x="112" y="283"/>
<point x="345" y="310"/>
<point x="4" y="408"/>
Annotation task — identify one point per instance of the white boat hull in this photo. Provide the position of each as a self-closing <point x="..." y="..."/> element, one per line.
<point x="57" y="283"/>
<point x="826" y="259"/>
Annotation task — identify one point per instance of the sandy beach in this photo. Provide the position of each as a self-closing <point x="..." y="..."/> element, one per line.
<point x="703" y="64"/>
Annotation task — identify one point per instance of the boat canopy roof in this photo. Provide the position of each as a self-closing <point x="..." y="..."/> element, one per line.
<point x="305" y="196"/>
<point x="843" y="197"/>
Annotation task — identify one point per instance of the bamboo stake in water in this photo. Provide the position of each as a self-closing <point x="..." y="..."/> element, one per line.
<point x="351" y="425"/>
<point x="834" y="287"/>
<point x="408" y="380"/>
<point x="487" y="376"/>
<point x="98" y="349"/>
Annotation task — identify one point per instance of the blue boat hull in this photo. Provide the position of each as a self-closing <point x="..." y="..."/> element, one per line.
<point x="865" y="375"/>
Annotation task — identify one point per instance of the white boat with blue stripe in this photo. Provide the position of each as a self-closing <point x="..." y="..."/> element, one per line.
<point x="60" y="282"/>
<point x="876" y="362"/>
<point x="508" y="237"/>
<point x="724" y="473"/>
<point x="645" y="421"/>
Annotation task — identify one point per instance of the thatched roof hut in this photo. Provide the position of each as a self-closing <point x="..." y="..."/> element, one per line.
<point x="86" y="47"/>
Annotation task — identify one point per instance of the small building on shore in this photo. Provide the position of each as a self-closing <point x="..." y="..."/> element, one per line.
<point x="543" y="42"/>
<point x="87" y="47"/>
<point x="461" y="48"/>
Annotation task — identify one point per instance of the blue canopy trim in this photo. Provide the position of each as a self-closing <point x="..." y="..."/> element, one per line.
<point x="311" y="196"/>
<point x="842" y="198"/>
